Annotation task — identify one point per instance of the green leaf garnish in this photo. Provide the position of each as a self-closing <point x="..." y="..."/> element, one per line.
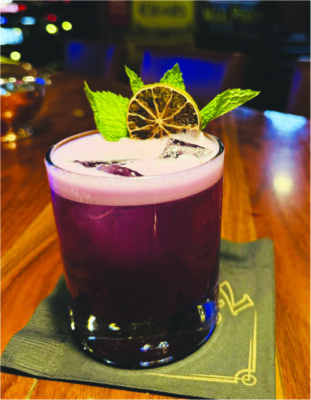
<point x="225" y="102"/>
<point x="110" y="111"/>
<point x="135" y="81"/>
<point x="174" y="78"/>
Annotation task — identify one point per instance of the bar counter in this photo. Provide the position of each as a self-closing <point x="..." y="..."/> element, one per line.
<point x="266" y="195"/>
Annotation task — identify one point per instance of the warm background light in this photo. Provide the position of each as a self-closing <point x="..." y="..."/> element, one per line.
<point x="15" y="56"/>
<point x="51" y="28"/>
<point x="67" y="26"/>
<point x="282" y="183"/>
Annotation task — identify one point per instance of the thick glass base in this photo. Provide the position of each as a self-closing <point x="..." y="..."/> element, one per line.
<point x="148" y="343"/>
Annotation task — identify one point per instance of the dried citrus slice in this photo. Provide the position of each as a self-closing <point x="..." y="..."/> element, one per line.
<point x="159" y="110"/>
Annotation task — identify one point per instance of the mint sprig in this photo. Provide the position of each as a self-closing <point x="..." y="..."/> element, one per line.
<point x="225" y="102"/>
<point x="110" y="110"/>
<point x="135" y="81"/>
<point x="174" y="77"/>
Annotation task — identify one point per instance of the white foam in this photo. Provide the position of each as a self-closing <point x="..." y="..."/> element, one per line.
<point x="163" y="179"/>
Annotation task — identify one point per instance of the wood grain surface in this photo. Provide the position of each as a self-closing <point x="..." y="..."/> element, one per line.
<point x="266" y="194"/>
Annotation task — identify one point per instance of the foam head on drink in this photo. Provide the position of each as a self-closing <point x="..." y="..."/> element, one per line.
<point x="139" y="229"/>
<point x="166" y="170"/>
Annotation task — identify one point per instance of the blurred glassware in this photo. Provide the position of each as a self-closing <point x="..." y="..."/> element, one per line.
<point x="22" y="96"/>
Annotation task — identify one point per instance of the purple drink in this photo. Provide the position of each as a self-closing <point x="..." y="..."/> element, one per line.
<point x="141" y="255"/>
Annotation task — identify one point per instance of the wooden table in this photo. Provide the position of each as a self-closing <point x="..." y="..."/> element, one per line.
<point x="266" y="194"/>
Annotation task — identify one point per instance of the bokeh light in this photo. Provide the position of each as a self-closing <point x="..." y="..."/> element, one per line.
<point x="11" y="36"/>
<point x="28" y="20"/>
<point x="67" y="26"/>
<point x="22" y="7"/>
<point x="15" y="55"/>
<point x="283" y="183"/>
<point x="51" y="28"/>
<point x="286" y="124"/>
<point x="51" y="17"/>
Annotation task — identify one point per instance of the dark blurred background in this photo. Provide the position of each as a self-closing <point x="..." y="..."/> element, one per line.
<point x="273" y="34"/>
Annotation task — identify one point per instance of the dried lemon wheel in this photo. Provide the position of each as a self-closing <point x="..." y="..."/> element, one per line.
<point x="159" y="110"/>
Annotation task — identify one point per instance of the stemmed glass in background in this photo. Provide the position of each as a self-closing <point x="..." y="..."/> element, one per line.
<point x="22" y="96"/>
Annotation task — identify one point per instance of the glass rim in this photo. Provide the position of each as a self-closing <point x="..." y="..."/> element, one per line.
<point x="49" y="161"/>
<point x="138" y="190"/>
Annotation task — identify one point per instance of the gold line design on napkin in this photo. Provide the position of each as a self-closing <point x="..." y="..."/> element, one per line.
<point x="245" y="375"/>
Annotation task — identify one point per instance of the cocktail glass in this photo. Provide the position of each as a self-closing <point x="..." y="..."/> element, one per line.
<point x="22" y="96"/>
<point x="141" y="259"/>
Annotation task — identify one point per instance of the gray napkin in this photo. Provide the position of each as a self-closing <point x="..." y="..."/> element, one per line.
<point x="237" y="362"/>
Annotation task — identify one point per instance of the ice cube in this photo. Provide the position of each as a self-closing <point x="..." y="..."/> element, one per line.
<point x="89" y="164"/>
<point x="116" y="169"/>
<point x="175" y="148"/>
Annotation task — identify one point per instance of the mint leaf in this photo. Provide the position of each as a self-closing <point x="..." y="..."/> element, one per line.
<point x="174" y="77"/>
<point x="225" y="102"/>
<point x="110" y="111"/>
<point x="135" y="82"/>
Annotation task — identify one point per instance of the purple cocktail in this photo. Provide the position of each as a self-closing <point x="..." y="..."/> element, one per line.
<point x="139" y="236"/>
